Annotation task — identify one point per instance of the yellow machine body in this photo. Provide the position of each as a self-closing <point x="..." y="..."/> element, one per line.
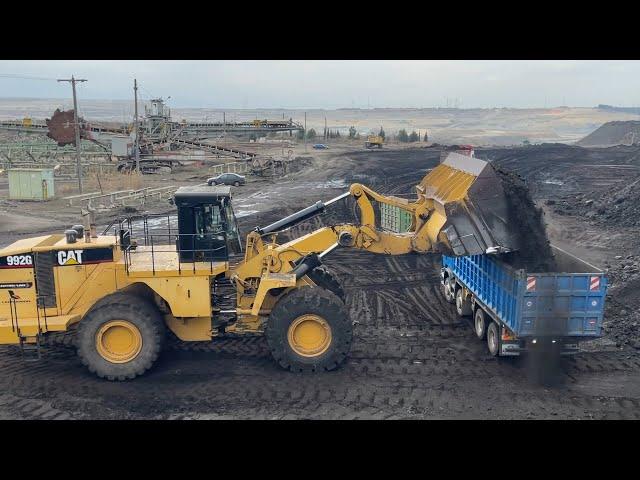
<point x="374" y="141"/>
<point x="83" y="273"/>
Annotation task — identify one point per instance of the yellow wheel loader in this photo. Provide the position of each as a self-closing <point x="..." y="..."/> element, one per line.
<point x="374" y="141"/>
<point x="120" y="292"/>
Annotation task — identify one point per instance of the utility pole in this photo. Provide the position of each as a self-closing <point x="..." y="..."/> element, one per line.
<point x="73" y="82"/>
<point x="137" y="145"/>
<point x="305" y="132"/>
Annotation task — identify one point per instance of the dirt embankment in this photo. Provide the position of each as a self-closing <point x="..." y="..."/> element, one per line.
<point x="613" y="133"/>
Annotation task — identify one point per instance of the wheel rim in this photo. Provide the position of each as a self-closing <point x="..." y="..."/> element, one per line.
<point x="479" y="325"/>
<point x="492" y="340"/>
<point x="119" y="341"/>
<point x="309" y="335"/>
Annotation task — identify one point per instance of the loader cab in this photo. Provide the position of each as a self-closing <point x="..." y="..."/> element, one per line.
<point x="208" y="230"/>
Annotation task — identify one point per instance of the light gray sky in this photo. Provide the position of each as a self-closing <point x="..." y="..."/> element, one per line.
<point x="336" y="84"/>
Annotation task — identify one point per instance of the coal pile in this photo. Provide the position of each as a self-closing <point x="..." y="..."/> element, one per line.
<point x="534" y="253"/>
<point x="622" y="315"/>
<point x="613" y="133"/>
<point x="618" y="207"/>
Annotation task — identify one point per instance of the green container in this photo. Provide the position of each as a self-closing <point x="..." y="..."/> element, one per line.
<point x="394" y="219"/>
<point x="31" y="184"/>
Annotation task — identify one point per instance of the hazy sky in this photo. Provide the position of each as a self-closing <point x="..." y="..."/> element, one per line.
<point x="335" y="84"/>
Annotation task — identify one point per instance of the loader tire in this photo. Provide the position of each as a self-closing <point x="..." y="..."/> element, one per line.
<point x="121" y="338"/>
<point x="323" y="277"/>
<point x="309" y="330"/>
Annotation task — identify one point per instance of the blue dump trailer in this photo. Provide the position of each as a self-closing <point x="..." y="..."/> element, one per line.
<point x="516" y="311"/>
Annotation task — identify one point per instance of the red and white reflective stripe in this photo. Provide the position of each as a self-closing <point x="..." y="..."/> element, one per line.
<point x="595" y="284"/>
<point x="531" y="284"/>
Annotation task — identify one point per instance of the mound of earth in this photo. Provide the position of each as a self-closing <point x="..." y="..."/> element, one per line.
<point x="618" y="207"/>
<point x="613" y="133"/>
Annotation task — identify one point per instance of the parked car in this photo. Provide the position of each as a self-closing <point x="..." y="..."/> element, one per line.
<point x="320" y="146"/>
<point x="227" y="179"/>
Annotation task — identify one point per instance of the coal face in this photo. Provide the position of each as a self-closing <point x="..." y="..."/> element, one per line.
<point x="534" y="253"/>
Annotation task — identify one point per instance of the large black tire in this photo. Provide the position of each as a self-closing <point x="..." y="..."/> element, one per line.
<point x="449" y="288"/>
<point x="323" y="277"/>
<point x="309" y="301"/>
<point x="124" y="307"/>
<point x="463" y="305"/>
<point x="480" y="324"/>
<point x="493" y="338"/>
<point x="236" y="184"/>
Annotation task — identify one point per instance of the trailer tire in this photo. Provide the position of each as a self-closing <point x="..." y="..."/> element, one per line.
<point x="121" y="338"/>
<point x="448" y="287"/>
<point x="463" y="305"/>
<point x="480" y="323"/>
<point x="327" y="340"/>
<point x="493" y="339"/>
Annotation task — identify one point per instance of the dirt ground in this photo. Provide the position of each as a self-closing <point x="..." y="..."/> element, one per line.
<point x="412" y="357"/>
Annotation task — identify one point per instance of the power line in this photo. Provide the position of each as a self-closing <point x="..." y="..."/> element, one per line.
<point x="25" y="77"/>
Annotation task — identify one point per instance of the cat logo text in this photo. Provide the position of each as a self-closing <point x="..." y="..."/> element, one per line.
<point x="70" y="257"/>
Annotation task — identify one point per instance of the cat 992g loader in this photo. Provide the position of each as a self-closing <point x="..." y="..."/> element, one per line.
<point x="119" y="293"/>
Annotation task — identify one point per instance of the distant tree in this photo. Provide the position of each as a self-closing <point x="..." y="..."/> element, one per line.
<point x="381" y="132"/>
<point x="426" y="137"/>
<point x="413" y="137"/>
<point x="403" y="136"/>
<point x="300" y="135"/>
<point x="352" y="132"/>
<point x="311" y="134"/>
<point x="526" y="142"/>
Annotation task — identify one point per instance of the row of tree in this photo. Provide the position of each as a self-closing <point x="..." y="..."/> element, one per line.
<point x="401" y="136"/>
<point x="405" y="137"/>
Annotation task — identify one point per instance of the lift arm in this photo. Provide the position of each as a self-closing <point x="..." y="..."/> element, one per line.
<point x="459" y="209"/>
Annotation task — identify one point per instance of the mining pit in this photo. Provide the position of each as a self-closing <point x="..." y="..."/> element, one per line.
<point x="412" y="356"/>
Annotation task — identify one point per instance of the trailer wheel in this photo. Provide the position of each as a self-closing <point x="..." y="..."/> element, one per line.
<point x="309" y="330"/>
<point x="463" y="305"/>
<point x="493" y="338"/>
<point x="480" y="324"/>
<point x="121" y="338"/>
<point x="449" y="296"/>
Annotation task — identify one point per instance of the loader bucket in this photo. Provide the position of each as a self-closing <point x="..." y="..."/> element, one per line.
<point x="469" y="194"/>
